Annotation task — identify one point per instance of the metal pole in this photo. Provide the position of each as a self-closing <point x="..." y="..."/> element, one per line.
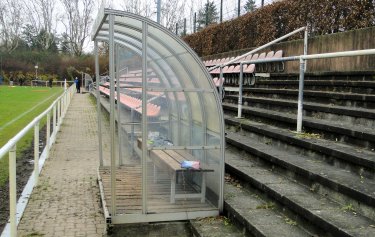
<point x="118" y="105"/>
<point x="158" y="6"/>
<point x="97" y="75"/>
<point x="239" y="113"/>
<point x="112" y="113"/>
<point x="176" y="28"/>
<point x="239" y="8"/>
<point x="36" y="152"/>
<point x="195" y="22"/>
<point x="262" y="3"/>
<point x="300" y="95"/>
<point x="184" y="26"/>
<point x="144" y="118"/>
<point x="305" y="45"/>
<point x="221" y="11"/>
<point x="13" y="191"/>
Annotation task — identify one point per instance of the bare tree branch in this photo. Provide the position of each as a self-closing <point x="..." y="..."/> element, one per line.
<point x="78" y="23"/>
<point x="11" y="22"/>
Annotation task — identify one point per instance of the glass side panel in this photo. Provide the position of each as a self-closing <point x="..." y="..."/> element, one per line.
<point x="128" y="103"/>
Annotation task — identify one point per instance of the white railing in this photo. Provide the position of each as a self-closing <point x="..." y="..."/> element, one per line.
<point x="58" y="109"/>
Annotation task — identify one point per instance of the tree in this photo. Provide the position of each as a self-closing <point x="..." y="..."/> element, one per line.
<point x="250" y="6"/>
<point x="11" y="21"/>
<point x="207" y="15"/>
<point x="43" y="21"/>
<point x="172" y="12"/>
<point x="78" y="23"/>
<point x="138" y="7"/>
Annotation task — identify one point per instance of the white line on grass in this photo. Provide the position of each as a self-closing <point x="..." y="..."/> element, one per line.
<point x="24" y="113"/>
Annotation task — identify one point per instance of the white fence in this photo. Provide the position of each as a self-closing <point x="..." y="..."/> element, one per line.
<point x="58" y="109"/>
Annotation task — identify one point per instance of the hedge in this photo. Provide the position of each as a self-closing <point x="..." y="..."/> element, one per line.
<point x="277" y="19"/>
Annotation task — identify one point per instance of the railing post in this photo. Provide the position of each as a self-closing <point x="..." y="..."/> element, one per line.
<point x="58" y="112"/>
<point x="48" y="133"/>
<point x="12" y="192"/>
<point x="36" y="152"/>
<point x="300" y="95"/>
<point x="305" y="46"/>
<point x="54" y="120"/>
<point x="64" y="84"/>
<point x="239" y="113"/>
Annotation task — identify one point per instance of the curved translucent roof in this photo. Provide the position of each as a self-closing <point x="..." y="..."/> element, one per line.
<point x="167" y="98"/>
<point x="175" y="64"/>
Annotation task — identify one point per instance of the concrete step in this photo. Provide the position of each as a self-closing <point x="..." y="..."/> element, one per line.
<point x="358" y="135"/>
<point x="342" y="181"/>
<point x="353" y="159"/>
<point x="257" y="215"/>
<point x="362" y="87"/>
<point x="334" y="218"/>
<point x="324" y="97"/>
<point x="348" y="115"/>
<point x="219" y="226"/>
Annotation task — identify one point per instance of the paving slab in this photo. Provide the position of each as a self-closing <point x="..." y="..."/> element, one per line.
<point x="66" y="201"/>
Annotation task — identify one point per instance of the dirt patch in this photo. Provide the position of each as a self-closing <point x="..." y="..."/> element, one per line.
<point x="24" y="169"/>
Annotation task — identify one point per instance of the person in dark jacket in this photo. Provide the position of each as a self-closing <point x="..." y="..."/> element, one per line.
<point x="78" y="85"/>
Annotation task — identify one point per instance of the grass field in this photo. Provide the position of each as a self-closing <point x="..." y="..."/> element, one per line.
<point x="18" y="107"/>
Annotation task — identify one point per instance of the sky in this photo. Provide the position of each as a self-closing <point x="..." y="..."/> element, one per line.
<point x="229" y="12"/>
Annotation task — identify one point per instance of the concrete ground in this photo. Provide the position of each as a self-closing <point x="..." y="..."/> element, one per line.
<point x="66" y="201"/>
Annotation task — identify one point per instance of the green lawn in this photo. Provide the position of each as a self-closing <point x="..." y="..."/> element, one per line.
<point x="18" y="107"/>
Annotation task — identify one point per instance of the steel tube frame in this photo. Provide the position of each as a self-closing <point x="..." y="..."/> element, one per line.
<point x="16" y="209"/>
<point x="112" y="113"/>
<point x="144" y="117"/>
<point x="97" y="75"/>
<point x="118" y="104"/>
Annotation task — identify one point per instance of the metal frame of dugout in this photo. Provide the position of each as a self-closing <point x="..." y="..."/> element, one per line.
<point x="160" y="92"/>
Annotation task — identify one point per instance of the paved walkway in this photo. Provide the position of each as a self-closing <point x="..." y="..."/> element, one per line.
<point x="66" y="199"/>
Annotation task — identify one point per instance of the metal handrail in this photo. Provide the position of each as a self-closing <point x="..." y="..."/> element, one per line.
<point x="302" y="59"/>
<point x="259" y="48"/>
<point x="59" y="108"/>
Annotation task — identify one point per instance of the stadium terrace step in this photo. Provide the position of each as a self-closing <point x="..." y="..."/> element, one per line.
<point x="358" y="135"/>
<point x="257" y="215"/>
<point x="353" y="116"/>
<point x="320" y="85"/>
<point x="338" y="179"/>
<point x="334" y="218"/>
<point x="214" y="227"/>
<point x="315" y="147"/>
<point x="345" y="99"/>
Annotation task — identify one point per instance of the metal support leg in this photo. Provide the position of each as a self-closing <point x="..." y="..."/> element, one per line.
<point x="300" y="95"/>
<point x="239" y="113"/>
<point x="203" y="188"/>
<point x="173" y="188"/>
